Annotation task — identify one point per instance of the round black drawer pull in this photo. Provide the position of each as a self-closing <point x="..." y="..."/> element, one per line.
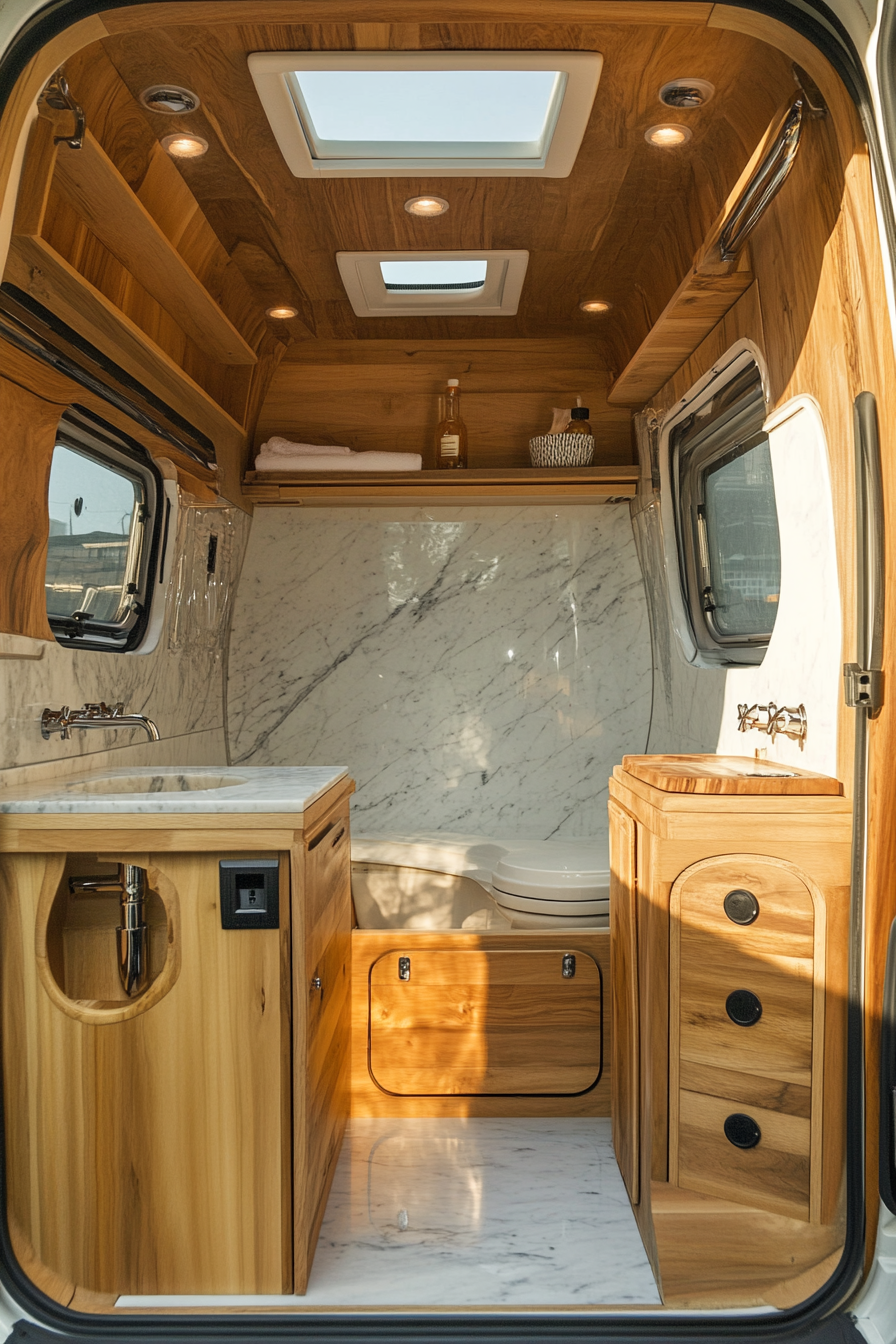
<point x="741" y="907"/>
<point x="743" y="1007"/>
<point x="742" y="1130"/>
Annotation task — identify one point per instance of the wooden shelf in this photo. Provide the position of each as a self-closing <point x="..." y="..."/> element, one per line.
<point x="699" y="303"/>
<point x="527" y="485"/>
<point x="37" y="269"/>
<point x="114" y="214"/>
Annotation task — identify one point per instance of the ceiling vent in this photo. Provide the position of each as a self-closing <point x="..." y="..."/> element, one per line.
<point x="169" y="99"/>
<point x="686" y="93"/>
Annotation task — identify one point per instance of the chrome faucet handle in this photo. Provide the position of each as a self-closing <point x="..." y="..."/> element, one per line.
<point x="55" y="721"/>
<point x="94" y="715"/>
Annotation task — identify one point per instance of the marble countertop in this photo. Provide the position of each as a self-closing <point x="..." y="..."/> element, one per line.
<point x="170" y="789"/>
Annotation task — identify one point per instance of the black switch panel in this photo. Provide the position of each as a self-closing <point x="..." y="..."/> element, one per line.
<point x="250" y="893"/>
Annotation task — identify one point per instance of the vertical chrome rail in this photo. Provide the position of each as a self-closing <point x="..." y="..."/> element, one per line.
<point x="863" y="685"/>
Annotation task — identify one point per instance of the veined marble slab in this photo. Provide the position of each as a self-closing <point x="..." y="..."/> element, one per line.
<point x="467" y="1213"/>
<point x="481" y="670"/>
<point x="173" y="789"/>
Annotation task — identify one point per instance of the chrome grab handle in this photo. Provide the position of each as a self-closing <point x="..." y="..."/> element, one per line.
<point x="132" y="934"/>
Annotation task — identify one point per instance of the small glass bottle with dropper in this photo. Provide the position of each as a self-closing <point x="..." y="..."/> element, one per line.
<point x="451" y="435"/>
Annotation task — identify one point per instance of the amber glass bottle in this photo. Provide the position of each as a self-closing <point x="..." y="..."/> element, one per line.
<point x="578" y="423"/>
<point x="451" y="435"/>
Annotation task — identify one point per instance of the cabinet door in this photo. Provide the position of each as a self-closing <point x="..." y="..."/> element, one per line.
<point x="485" y="1023"/>
<point x="626" y="1069"/>
<point x="156" y="1164"/>
<point x="323" y="1034"/>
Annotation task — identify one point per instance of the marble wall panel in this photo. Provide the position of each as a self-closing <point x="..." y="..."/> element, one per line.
<point x="478" y="670"/>
<point x="179" y="685"/>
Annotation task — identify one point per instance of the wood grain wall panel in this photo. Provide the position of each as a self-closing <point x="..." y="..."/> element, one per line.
<point x="332" y="392"/>
<point x="47" y="383"/>
<point x="29" y="436"/>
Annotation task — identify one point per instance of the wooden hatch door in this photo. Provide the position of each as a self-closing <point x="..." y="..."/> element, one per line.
<point x="485" y="1023"/>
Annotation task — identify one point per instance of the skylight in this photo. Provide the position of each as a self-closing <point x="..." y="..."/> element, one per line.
<point x="447" y="284"/>
<point x="433" y="277"/>
<point x="452" y="113"/>
<point x="440" y="113"/>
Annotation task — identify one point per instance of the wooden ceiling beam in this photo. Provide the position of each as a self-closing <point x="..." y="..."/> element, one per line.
<point x="667" y="13"/>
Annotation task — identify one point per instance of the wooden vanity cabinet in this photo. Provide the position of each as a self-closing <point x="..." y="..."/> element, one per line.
<point x="729" y="1009"/>
<point x="183" y="1141"/>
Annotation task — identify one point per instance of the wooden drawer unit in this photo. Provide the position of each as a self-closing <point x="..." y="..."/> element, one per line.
<point x="746" y="1029"/>
<point x="485" y="1023"/>
<point x="716" y="1020"/>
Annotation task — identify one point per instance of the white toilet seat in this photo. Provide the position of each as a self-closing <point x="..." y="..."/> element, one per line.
<point x="566" y="882"/>
<point x="560" y="885"/>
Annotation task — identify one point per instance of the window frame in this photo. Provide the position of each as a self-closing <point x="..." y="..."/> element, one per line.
<point x="91" y="437"/>
<point x="685" y="464"/>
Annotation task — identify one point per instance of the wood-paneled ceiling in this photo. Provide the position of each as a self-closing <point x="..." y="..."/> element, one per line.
<point x="623" y="226"/>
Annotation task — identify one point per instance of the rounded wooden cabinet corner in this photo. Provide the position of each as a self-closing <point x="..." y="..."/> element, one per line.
<point x="76" y="942"/>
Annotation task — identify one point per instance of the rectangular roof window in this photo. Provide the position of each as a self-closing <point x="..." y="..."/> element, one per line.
<point x="439" y="113"/>
<point x="433" y="277"/>
<point x="453" y="113"/>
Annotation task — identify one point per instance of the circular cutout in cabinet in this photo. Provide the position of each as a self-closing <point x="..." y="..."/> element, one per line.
<point x="742" y="1130"/>
<point x="741" y="906"/>
<point x="743" y="1007"/>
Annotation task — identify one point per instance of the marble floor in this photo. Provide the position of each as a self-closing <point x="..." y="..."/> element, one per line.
<point x="474" y="1212"/>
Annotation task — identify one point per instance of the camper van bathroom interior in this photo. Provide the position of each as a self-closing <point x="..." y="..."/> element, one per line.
<point x="432" y="539"/>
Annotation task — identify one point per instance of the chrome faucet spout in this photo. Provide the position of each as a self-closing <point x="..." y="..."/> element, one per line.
<point x="94" y="716"/>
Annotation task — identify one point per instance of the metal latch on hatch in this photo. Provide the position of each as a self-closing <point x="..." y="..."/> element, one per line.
<point x="863" y="687"/>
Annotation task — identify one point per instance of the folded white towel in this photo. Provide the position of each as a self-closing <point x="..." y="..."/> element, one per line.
<point x="353" y="462"/>
<point x="280" y="447"/>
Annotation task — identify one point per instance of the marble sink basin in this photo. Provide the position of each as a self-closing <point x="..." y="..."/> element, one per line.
<point x="172" y="789"/>
<point x="188" y="781"/>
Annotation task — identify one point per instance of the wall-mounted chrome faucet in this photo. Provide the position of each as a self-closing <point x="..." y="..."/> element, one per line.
<point x="774" y="721"/>
<point x="130" y="885"/>
<point x="94" y="716"/>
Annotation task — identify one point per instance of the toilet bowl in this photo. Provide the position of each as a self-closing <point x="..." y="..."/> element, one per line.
<point x="554" y="885"/>
<point x="475" y="882"/>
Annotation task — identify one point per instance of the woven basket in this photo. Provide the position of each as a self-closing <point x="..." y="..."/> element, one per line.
<point x="562" y="450"/>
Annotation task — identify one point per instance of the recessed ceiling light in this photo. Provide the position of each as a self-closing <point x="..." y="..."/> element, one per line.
<point x="185" y="145"/>
<point x="686" y="93"/>
<point x="282" y="311"/>
<point x="169" y="99"/>
<point x="427" y="207"/>
<point x="595" y="306"/>
<point x="667" y="137"/>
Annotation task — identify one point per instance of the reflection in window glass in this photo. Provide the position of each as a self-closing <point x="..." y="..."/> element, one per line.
<point x="95" y="534"/>
<point x="743" y="552"/>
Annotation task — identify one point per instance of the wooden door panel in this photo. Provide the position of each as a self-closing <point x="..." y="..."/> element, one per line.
<point x="485" y="1023"/>
<point x="626" y="1067"/>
